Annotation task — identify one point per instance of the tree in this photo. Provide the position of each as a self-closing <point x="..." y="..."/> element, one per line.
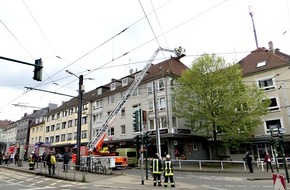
<point x="213" y="99"/>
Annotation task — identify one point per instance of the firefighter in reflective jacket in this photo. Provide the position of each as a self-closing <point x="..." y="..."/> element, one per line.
<point x="168" y="171"/>
<point x="156" y="170"/>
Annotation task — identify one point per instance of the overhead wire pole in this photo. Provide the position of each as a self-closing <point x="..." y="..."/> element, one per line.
<point x="252" y="17"/>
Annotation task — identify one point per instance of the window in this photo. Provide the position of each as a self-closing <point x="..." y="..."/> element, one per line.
<point x="57" y="138"/>
<point x="69" y="136"/>
<point x="135" y="92"/>
<point x="63" y="137"/>
<point x="47" y="129"/>
<point x="123" y="129"/>
<point x="46" y="139"/>
<point x="84" y="134"/>
<point x="161" y="103"/>
<point x="52" y="117"/>
<point x="111" y="99"/>
<point x="151" y="124"/>
<point x="124" y="81"/>
<point x="151" y="107"/>
<point x="111" y="131"/>
<point x="63" y="125"/>
<point x="194" y="145"/>
<point x="75" y="135"/>
<point x="51" y="139"/>
<point x="57" y="127"/>
<point x="69" y="123"/>
<point x="274" y="105"/>
<point x="123" y="113"/>
<point x="70" y="111"/>
<point x="162" y="122"/>
<point x="260" y="64"/>
<point x="113" y="86"/>
<point x="58" y="115"/>
<point x="85" y="106"/>
<point x="76" y="122"/>
<point x="149" y="88"/>
<point x="99" y="91"/>
<point x="274" y="125"/>
<point x="32" y="130"/>
<point x="161" y="85"/>
<point x="52" y="128"/>
<point x="64" y="113"/>
<point x="84" y="120"/>
<point x="97" y="118"/>
<point x="266" y="84"/>
<point x="98" y="104"/>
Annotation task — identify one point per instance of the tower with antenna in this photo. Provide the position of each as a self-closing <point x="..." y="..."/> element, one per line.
<point x="252" y="17"/>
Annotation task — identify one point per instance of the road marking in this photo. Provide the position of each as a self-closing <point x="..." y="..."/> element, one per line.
<point x="208" y="187"/>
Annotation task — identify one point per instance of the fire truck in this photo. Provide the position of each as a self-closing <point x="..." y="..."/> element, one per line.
<point x="98" y="160"/>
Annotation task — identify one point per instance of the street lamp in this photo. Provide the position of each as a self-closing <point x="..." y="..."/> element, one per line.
<point x="79" y="123"/>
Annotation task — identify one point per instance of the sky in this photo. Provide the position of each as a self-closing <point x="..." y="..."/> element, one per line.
<point x="103" y="40"/>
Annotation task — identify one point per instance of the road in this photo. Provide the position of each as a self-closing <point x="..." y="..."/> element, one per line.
<point x="16" y="180"/>
<point x="216" y="181"/>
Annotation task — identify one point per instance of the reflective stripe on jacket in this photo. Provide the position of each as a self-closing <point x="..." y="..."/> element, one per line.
<point x="168" y="169"/>
<point x="156" y="166"/>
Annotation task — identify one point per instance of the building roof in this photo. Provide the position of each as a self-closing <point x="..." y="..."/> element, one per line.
<point x="4" y="124"/>
<point x="262" y="59"/>
<point x="171" y="67"/>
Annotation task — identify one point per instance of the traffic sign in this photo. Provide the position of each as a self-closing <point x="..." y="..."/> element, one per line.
<point x="279" y="182"/>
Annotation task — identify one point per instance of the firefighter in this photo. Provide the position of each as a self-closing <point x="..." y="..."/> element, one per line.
<point x="168" y="171"/>
<point x="156" y="170"/>
<point x="31" y="160"/>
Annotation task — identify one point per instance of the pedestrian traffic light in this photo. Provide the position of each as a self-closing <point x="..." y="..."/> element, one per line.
<point x="38" y="70"/>
<point x="136" y="121"/>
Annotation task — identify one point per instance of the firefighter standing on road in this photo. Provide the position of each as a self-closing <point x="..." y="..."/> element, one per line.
<point x="156" y="170"/>
<point x="168" y="171"/>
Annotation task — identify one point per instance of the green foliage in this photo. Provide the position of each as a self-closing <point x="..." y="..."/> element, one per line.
<point x="212" y="97"/>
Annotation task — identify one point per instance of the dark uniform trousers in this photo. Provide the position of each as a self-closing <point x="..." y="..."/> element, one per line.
<point x="168" y="173"/>
<point x="156" y="168"/>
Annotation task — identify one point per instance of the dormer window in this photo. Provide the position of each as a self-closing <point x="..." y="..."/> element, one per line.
<point x="113" y="86"/>
<point x="261" y="64"/>
<point x="99" y="91"/>
<point x="125" y="82"/>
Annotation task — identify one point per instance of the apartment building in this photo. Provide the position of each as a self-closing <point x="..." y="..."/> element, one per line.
<point x="177" y="140"/>
<point x="268" y="68"/>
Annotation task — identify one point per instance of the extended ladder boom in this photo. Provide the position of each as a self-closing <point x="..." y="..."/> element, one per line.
<point x="101" y="132"/>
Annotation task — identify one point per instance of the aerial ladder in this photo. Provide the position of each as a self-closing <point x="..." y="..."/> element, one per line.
<point x="102" y="131"/>
<point x="96" y="142"/>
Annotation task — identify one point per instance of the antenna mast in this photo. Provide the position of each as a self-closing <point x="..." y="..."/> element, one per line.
<point x="252" y="17"/>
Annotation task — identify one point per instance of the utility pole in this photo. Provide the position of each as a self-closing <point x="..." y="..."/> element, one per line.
<point x="80" y="106"/>
<point x="156" y="121"/>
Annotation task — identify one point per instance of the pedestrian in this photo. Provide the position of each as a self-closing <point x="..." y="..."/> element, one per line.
<point x="66" y="158"/>
<point x="249" y="159"/>
<point x="53" y="162"/>
<point x="6" y="158"/>
<point x="48" y="162"/>
<point x="12" y="155"/>
<point x="168" y="171"/>
<point x="16" y="159"/>
<point x="156" y="170"/>
<point x="1" y="158"/>
<point x="43" y="158"/>
<point x="268" y="161"/>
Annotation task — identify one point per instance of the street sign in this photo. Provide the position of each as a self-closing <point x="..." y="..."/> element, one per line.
<point x="279" y="182"/>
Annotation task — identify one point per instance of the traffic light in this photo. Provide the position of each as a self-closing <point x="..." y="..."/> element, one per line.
<point x="38" y="70"/>
<point x="136" y="121"/>
<point x="138" y="140"/>
<point x="147" y="139"/>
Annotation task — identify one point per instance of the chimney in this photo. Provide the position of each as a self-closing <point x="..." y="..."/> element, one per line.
<point x="271" y="47"/>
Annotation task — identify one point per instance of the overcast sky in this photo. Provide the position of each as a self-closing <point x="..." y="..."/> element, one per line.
<point x="90" y="37"/>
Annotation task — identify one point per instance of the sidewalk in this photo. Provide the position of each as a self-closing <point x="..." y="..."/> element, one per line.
<point x="120" y="178"/>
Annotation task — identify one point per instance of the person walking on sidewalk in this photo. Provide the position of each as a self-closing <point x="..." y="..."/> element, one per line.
<point x="249" y="159"/>
<point x="16" y="159"/>
<point x="53" y="162"/>
<point x="168" y="171"/>
<point x="48" y="162"/>
<point x="66" y="158"/>
<point x="156" y="170"/>
<point x="268" y="161"/>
